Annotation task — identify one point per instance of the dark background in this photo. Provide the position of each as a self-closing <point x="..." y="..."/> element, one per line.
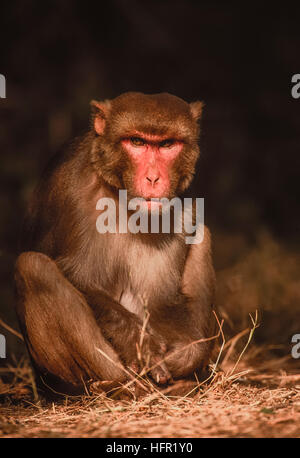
<point x="58" y="55"/>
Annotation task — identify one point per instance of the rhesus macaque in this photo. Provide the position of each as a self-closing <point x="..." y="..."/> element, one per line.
<point x="79" y="291"/>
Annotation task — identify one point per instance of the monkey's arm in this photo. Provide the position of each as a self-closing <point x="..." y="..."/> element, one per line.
<point x="198" y="280"/>
<point x="189" y="316"/>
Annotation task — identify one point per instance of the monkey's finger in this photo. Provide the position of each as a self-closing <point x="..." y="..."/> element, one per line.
<point x="160" y="374"/>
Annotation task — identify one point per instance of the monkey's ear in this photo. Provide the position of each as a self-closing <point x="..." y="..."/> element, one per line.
<point x="100" y="112"/>
<point x="196" y="109"/>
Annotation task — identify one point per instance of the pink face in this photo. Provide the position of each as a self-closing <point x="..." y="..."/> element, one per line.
<point x="152" y="157"/>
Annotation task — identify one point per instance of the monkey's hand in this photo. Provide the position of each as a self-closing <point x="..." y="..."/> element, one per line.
<point x="151" y="350"/>
<point x="140" y="349"/>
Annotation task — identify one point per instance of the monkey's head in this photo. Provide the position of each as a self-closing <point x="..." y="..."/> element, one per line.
<point x="147" y="144"/>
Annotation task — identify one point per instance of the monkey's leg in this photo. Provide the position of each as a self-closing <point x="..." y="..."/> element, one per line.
<point x="58" y="325"/>
<point x="190" y="318"/>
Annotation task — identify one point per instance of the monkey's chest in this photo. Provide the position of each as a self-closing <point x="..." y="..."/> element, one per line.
<point x="148" y="277"/>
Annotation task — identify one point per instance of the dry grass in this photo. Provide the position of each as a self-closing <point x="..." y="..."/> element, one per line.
<point x="253" y="389"/>
<point x="262" y="276"/>
<point x="237" y="400"/>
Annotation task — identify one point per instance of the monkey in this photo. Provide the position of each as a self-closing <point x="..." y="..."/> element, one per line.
<point x="82" y="296"/>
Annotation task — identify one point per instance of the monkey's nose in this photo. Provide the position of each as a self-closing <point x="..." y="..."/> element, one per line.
<point x="153" y="179"/>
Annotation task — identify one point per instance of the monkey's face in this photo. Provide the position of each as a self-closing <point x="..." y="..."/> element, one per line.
<point x="147" y="143"/>
<point x="152" y="158"/>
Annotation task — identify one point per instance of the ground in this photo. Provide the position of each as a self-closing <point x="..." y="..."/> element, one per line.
<point x="249" y="401"/>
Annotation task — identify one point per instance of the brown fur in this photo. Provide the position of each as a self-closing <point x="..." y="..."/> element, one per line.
<point x="78" y="290"/>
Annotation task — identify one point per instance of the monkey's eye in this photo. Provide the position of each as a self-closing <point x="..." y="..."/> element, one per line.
<point x="137" y="141"/>
<point x="167" y="143"/>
